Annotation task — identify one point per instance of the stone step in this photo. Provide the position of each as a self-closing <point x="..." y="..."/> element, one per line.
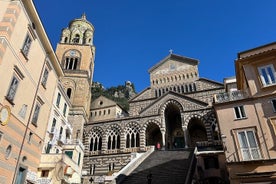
<point x="165" y="167"/>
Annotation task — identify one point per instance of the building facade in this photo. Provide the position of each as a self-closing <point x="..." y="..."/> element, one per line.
<point x="247" y="117"/>
<point x="29" y="73"/>
<point x="175" y="111"/>
<point x="61" y="159"/>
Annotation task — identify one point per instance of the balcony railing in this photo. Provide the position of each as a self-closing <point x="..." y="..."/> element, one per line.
<point x="230" y="96"/>
<point x="75" y="142"/>
<point x="116" y="151"/>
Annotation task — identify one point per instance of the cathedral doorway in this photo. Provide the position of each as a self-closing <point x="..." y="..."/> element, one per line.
<point x="174" y="132"/>
<point x="197" y="131"/>
<point x="153" y="135"/>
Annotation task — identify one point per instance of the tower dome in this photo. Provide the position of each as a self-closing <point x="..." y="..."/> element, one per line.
<point x="80" y="31"/>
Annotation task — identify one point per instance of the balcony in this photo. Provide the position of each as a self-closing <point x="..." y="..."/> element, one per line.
<point x="61" y="141"/>
<point x="230" y="96"/>
<point x="52" y="131"/>
<point x="74" y="142"/>
<point x="52" y="160"/>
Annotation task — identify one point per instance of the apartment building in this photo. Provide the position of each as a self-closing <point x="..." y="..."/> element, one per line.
<point x="29" y="72"/>
<point x="61" y="159"/>
<point x="247" y="117"/>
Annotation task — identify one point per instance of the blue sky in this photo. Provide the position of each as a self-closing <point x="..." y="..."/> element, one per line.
<point x="132" y="36"/>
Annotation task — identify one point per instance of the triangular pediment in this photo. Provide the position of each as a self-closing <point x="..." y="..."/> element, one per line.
<point x="186" y="103"/>
<point x="210" y="84"/>
<point x="145" y="94"/>
<point x="102" y="102"/>
<point x="173" y="63"/>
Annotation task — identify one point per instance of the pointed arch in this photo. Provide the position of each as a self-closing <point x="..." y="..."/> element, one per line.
<point x="113" y="134"/>
<point x="95" y="139"/>
<point x="151" y="131"/>
<point x="170" y="101"/>
<point x="132" y="133"/>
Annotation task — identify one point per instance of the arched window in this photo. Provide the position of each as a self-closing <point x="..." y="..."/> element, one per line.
<point x="65" y="39"/>
<point x="71" y="63"/>
<point x="132" y="135"/>
<point x="187" y="88"/>
<point x="95" y="141"/>
<point x="190" y="87"/>
<point x="113" y="138"/>
<point x="76" y="39"/>
<point x="69" y="92"/>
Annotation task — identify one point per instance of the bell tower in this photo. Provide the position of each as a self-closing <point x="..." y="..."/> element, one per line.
<point x="76" y="54"/>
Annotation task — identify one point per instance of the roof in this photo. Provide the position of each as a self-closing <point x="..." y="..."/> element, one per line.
<point x="257" y="50"/>
<point x="174" y="57"/>
<point x="82" y="19"/>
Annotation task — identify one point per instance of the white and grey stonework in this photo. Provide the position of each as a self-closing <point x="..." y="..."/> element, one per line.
<point x="175" y="111"/>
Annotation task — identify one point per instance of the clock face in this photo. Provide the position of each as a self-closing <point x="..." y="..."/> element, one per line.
<point x="5" y="115"/>
<point x="72" y="53"/>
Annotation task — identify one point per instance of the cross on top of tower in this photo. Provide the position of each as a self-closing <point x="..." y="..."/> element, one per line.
<point x="83" y="16"/>
<point x="170" y="51"/>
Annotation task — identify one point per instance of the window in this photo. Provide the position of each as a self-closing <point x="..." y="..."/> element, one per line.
<point x="8" y="152"/>
<point x="79" y="159"/>
<point x="69" y="154"/>
<point x="69" y="92"/>
<point x="12" y="89"/>
<point x="92" y="169"/>
<point x="273" y="101"/>
<point x="58" y="99"/>
<point x="248" y="145"/>
<point x="48" y="147"/>
<point x="64" y="109"/>
<point x="71" y="63"/>
<point x="60" y="132"/>
<point x="239" y="112"/>
<point x="21" y="175"/>
<point x="45" y="173"/>
<point x="26" y="46"/>
<point x="45" y="77"/>
<point x="35" y="115"/>
<point x="53" y="125"/>
<point x="267" y="74"/>
<point x="23" y="110"/>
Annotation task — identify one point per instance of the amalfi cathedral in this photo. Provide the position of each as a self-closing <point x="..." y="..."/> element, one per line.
<point x="181" y="129"/>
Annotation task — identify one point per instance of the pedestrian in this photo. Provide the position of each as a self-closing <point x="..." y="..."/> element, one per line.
<point x="158" y="146"/>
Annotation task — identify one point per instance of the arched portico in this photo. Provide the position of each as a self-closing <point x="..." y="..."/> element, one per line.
<point x="172" y="122"/>
<point x="153" y="134"/>
<point x="196" y="131"/>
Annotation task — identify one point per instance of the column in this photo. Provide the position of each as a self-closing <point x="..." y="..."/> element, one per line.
<point x="163" y="132"/>
<point x="185" y="137"/>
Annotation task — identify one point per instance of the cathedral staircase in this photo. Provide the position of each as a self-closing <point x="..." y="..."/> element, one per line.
<point x="165" y="167"/>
